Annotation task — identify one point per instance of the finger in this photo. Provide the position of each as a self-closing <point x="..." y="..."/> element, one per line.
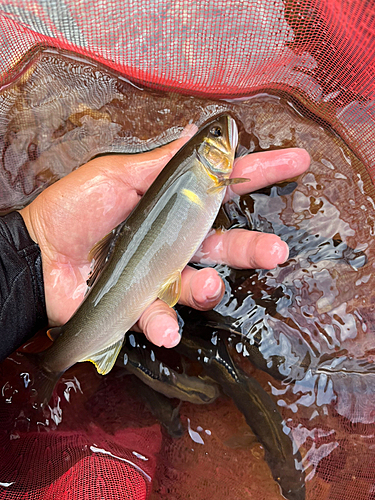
<point x="201" y="289"/>
<point x="243" y="249"/>
<point x="101" y="192"/>
<point x="159" y="324"/>
<point x="268" y="167"/>
<point x="139" y="171"/>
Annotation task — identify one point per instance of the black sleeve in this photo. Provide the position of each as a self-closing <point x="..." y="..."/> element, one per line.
<point x="22" y="301"/>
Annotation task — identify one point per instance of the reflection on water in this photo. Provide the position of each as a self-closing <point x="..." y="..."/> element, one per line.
<point x="303" y="331"/>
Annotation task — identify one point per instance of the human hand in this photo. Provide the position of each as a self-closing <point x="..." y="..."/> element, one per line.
<point x="69" y="217"/>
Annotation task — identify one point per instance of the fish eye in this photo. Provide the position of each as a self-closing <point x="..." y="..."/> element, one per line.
<point x="216" y="131"/>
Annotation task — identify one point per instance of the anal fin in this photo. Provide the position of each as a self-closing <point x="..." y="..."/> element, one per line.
<point x="106" y="358"/>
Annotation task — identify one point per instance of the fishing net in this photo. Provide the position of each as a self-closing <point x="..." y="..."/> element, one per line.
<point x="317" y="55"/>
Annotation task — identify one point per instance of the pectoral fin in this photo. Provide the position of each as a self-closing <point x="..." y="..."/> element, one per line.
<point x="105" y="359"/>
<point x="171" y="290"/>
<point x="227" y="182"/>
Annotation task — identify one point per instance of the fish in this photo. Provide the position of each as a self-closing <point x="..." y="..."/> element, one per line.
<point x="141" y="361"/>
<point x="162" y="409"/>
<point x="208" y="321"/>
<point x="142" y="258"/>
<point x="260" y="412"/>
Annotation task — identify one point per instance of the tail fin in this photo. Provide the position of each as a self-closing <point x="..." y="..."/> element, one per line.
<point x="42" y="382"/>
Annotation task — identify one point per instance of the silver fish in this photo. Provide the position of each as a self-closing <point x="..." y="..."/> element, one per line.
<point x="143" y="257"/>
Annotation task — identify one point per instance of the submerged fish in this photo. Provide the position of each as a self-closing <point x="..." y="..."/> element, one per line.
<point x="259" y="410"/>
<point x="143" y="257"/>
<point x="162" y="409"/>
<point x="141" y="362"/>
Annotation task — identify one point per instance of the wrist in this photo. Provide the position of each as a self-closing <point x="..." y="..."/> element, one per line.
<point x="25" y="214"/>
<point x="22" y="299"/>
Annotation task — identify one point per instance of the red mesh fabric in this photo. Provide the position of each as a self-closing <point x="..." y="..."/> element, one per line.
<point x="322" y="51"/>
<point x="88" y="468"/>
<point x="103" y="448"/>
<point x="319" y="51"/>
<point x="243" y="45"/>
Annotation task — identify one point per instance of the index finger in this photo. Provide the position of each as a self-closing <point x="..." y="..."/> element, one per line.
<point x="268" y="167"/>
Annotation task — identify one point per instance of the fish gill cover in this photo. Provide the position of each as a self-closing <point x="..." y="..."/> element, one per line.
<point x="72" y="80"/>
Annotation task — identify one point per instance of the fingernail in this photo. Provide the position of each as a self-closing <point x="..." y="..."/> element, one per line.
<point x="212" y="288"/>
<point x="280" y="251"/>
<point x="171" y="337"/>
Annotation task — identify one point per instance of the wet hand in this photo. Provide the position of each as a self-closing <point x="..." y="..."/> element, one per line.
<point x="238" y="248"/>
<point x="69" y="217"/>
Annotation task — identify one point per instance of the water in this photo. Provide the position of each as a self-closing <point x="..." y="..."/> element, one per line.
<point x="303" y="330"/>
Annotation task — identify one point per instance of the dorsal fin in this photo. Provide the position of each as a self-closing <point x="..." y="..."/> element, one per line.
<point x="101" y="253"/>
<point x="55" y="332"/>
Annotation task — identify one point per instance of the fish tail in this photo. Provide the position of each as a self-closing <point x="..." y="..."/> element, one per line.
<point x="42" y="381"/>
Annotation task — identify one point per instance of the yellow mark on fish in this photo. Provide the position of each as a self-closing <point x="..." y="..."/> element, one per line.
<point x="192" y="197"/>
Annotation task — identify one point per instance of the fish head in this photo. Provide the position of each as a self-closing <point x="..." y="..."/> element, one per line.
<point x="218" y="146"/>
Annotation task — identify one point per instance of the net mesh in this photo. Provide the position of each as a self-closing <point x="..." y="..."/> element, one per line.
<point x="320" y="53"/>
